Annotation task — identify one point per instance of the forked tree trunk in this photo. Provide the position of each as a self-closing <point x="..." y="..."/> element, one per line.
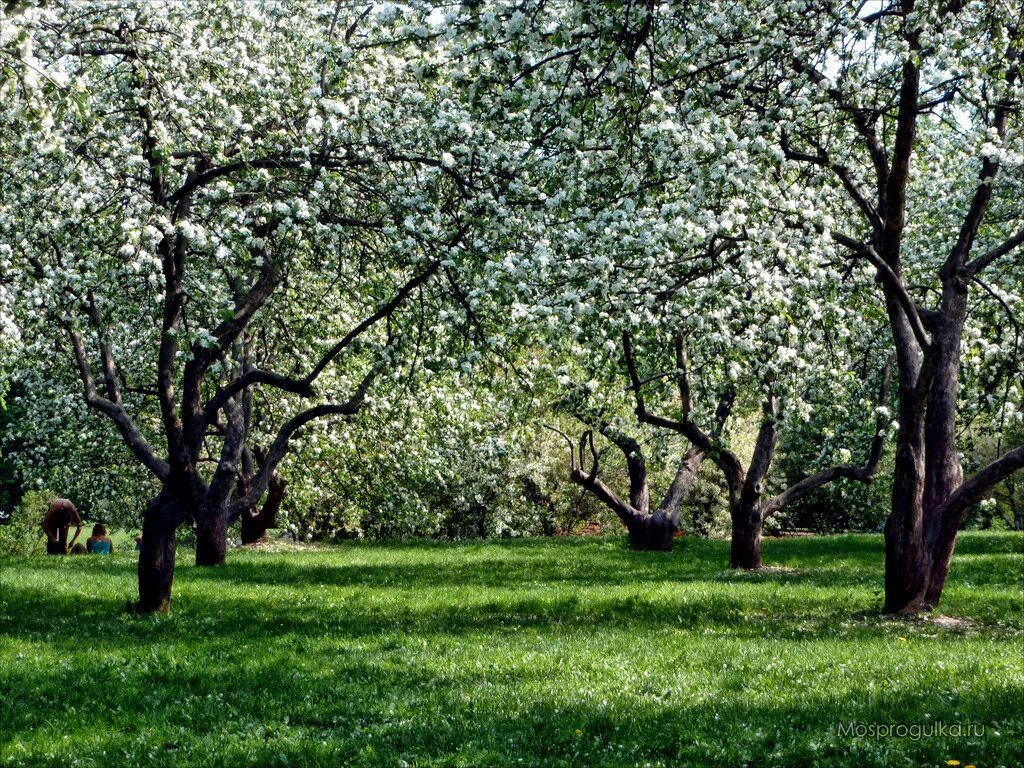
<point x="156" y="557"/>
<point x="255" y="524"/>
<point x="747" y="506"/>
<point x="647" y="531"/>
<point x="930" y="496"/>
<point x="916" y="572"/>
<point x="920" y="533"/>
<point x="651" y="533"/>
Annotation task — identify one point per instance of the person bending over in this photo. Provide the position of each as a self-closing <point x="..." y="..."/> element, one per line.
<point x="59" y="516"/>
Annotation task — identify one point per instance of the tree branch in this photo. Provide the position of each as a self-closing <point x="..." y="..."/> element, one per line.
<point x="572" y="448"/>
<point x="115" y="411"/>
<point x="304" y="386"/>
<point x="106" y="351"/>
<point x="986" y="179"/>
<point x="686" y="475"/>
<point x="1007" y="246"/>
<point x="823" y="160"/>
<point x="971" y="491"/>
<point x="892" y="281"/>
<point x="279" y="447"/>
<point x="863" y="474"/>
<point x="726" y="460"/>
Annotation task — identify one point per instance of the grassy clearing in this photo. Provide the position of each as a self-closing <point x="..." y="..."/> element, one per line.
<point x="554" y="653"/>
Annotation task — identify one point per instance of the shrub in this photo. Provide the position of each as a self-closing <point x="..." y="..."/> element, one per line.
<point x="20" y="534"/>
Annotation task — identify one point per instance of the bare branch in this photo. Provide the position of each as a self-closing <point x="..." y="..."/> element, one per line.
<point x="131" y="434"/>
<point x="572" y="448"/>
<point x="892" y="281"/>
<point x="972" y="490"/>
<point x="863" y="474"/>
<point x="279" y="447"/>
<point x="1006" y="247"/>
<point x="726" y="460"/>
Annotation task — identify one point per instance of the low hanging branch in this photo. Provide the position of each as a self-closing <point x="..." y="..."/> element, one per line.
<point x="862" y="474"/>
<point x="279" y="447"/>
<point x="115" y="411"/>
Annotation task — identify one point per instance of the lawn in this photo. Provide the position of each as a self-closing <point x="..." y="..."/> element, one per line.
<point x="568" y="652"/>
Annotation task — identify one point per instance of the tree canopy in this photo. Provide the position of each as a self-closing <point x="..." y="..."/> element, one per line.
<point x="692" y="242"/>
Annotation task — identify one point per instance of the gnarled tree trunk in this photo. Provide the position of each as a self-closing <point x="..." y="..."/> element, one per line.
<point x="929" y="496"/>
<point x="212" y="536"/>
<point x="255" y="523"/>
<point x="648" y="531"/>
<point x="745" y="546"/>
<point x="157" y="555"/>
<point x="747" y="506"/>
<point x="651" y="533"/>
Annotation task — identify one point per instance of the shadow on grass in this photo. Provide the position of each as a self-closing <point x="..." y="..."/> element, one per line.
<point x="373" y="709"/>
<point x="828" y="562"/>
<point x="429" y="590"/>
<point x="557" y="653"/>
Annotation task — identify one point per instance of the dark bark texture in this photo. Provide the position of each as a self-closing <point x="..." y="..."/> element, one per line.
<point x="157" y="555"/>
<point x="255" y="523"/>
<point x="929" y="495"/>
<point x="745" y="545"/>
<point x="212" y="537"/>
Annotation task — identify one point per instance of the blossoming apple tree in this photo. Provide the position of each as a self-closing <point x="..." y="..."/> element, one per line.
<point x="199" y="172"/>
<point x="906" y="115"/>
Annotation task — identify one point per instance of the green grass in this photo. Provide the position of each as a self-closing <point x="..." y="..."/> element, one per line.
<point x="548" y="652"/>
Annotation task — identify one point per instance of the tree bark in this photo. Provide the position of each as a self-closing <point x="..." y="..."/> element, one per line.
<point x="212" y="537"/>
<point x="919" y="535"/>
<point x="156" y="557"/>
<point x="906" y="560"/>
<point x="651" y="533"/>
<point x="647" y="531"/>
<point x="745" y="550"/>
<point x="255" y="524"/>
<point x="929" y="495"/>
<point x="920" y="540"/>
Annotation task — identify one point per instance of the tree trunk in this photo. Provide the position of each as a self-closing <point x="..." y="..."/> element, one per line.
<point x="255" y="524"/>
<point x="919" y="535"/>
<point x="212" y="536"/>
<point x="156" y="557"/>
<point x="906" y="558"/>
<point x="746" y="537"/>
<point x="651" y="533"/>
